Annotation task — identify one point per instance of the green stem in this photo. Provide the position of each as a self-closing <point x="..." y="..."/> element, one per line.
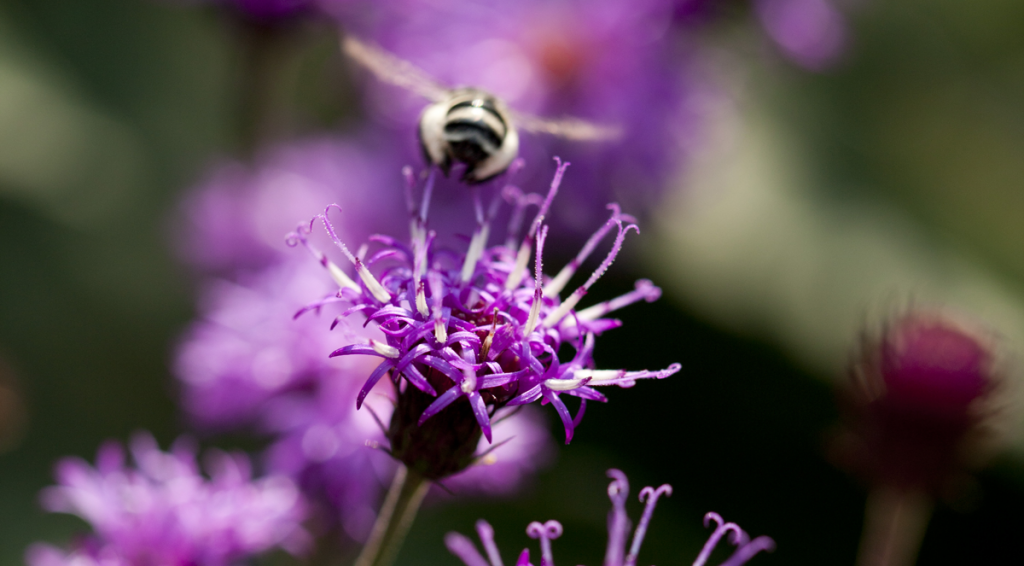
<point x="894" y="524"/>
<point x="264" y="83"/>
<point x="395" y="518"/>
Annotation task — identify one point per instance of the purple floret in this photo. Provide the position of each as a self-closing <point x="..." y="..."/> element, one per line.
<point x="616" y="553"/>
<point x="475" y="325"/>
<point x="163" y="510"/>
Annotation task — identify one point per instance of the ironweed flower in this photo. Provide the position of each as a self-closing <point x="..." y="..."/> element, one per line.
<point x="163" y="511"/>
<point x="917" y="398"/>
<point x="616" y="553"/>
<point x="248" y="364"/>
<point x="469" y="333"/>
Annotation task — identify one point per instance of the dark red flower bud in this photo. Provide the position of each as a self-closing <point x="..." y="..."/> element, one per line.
<point x="916" y="400"/>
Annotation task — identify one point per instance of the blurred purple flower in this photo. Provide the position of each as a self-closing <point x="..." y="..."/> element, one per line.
<point x="811" y="33"/>
<point x="522" y="446"/>
<point x="163" y="511"/>
<point x="247" y="353"/>
<point x="233" y="220"/>
<point x="609" y="61"/>
<point x="471" y="333"/>
<point x="329" y="448"/>
<point x="618" y="524"/>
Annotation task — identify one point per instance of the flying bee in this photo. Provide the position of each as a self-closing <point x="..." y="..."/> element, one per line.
<point x="467" y="124"/>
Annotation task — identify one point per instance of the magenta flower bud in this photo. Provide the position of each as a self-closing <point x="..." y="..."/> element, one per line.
<point x="917" y="400"/>
<point x="933" y="366"/>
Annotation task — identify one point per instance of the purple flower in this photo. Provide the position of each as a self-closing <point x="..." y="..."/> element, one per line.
<point x="473" y="332"/>
<point x="330" y="449"/>
<point x="247" y="358"/>
<point x="163" y="511"/>
<point x="248" y="363"/>
<point x="616" y="63"/>
<point x="232" y="220"/>
<point x="811" y="33"/>
<point x="616" y="553"/>
<point x="917" y="400"/>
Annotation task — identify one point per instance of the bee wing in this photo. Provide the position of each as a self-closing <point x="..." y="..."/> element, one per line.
<point x="568" y="128"/>
<point x="393" y="70"/>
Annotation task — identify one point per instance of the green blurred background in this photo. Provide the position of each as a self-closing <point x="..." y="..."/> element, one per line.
<point x="819" y="203"/>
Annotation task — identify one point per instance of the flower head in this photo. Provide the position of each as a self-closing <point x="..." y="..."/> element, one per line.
<point x="616" y="553"/>
<point x="469" y="333"/>
<point x="247" y="364"/>
<point x="917" y="396"/>
<point x="163" y="511"/>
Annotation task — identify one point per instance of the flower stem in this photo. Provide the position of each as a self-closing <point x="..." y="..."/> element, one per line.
<point x="395" y="518"/>
<point x="894" y="524"/>
<point x="265" y="82"/>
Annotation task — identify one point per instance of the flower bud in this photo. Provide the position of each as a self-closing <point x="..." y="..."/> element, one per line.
<point x="916" y="400"/>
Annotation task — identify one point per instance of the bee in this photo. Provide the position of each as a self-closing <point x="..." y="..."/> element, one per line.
<point x="467" y="124"/>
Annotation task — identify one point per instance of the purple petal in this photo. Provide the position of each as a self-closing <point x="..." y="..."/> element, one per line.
<point x="372" y="380"/>
<point x="440" y="403"/>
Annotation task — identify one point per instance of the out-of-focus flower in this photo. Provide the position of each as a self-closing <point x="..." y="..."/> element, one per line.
<point x="522" y="446"/>
<point x="331" y="449"/>
<point x="811" y="33"/>
<point x="607" y="61"/>
<point x="616" y="553"/>
<point x="473" y="332"/>
<point x="918" y="396"/>
<point x="248" y="353"/>
<point x="163" y="511"/>
<point x="233" y="219"/>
